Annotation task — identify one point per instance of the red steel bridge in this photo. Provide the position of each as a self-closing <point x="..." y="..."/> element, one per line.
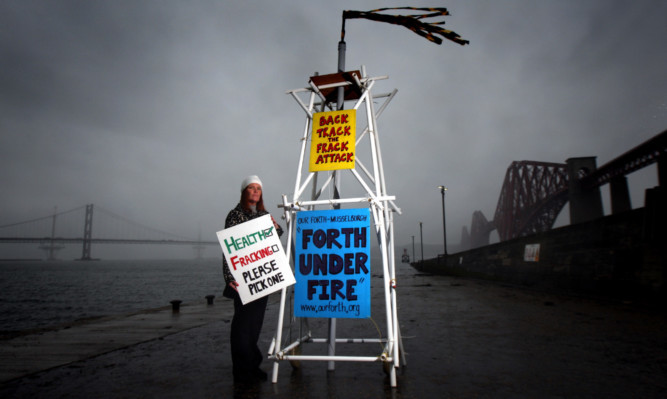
<point x="75" y="226"/>
<point x="534" y="193"/>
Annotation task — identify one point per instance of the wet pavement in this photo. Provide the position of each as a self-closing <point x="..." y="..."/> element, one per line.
<point x="462" y="338"/>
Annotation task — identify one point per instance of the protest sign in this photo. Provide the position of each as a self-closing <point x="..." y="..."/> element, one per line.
<point x="531" y="253"/>
<point x="256" y="258"/>
<point x="333" y="264"/>
<point x="333" y="140"/>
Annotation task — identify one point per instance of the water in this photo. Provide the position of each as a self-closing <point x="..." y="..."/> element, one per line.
<point x="46" y="294"/>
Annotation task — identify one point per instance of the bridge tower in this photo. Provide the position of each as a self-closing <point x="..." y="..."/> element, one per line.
<point x="585" y="202"/>
<point x="480" y="231"/>
<point x="51" y="247"/>
<point x="87" y="232"/>
<point x="199" y="247"/>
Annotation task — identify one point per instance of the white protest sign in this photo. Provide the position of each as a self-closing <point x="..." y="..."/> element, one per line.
<point x="256" y="258"/>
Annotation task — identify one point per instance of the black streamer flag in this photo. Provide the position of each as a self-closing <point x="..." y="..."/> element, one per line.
<point x="413" y="22"/>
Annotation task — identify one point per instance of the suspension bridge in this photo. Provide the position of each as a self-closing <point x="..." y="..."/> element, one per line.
<point x="75" y="226"/>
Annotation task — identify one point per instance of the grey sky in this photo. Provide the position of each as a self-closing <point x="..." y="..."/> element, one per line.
<point x="156" y="110"/>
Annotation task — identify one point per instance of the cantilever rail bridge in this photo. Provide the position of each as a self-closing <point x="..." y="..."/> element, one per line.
<point x="534" y="193"/>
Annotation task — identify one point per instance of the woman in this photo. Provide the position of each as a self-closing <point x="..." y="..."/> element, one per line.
<point x="248" y="318"/>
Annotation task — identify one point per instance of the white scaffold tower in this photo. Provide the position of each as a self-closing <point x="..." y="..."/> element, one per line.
<point x="321" y="95"/>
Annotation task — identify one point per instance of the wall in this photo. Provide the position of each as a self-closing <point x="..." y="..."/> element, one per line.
<point x="615" y="256"/>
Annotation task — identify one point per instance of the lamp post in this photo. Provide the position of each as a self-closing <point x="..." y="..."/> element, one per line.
<point x="421" y="240"/>
<point x="444" y="225"/>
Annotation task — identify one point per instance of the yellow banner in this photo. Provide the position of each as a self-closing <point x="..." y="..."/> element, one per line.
<point x="333" y="140"/>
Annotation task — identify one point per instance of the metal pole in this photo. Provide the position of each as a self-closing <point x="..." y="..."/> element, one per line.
<point x="444" y="224"/>
<point x="421" y="240"/>
<point x="339" y="106"/>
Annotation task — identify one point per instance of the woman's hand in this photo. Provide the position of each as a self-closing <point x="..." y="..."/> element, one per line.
<point x="234" y="285"/>
<point x="275" y="224"/>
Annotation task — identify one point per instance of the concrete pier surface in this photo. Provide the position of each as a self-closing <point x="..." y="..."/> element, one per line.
<point x="462" y="338"/>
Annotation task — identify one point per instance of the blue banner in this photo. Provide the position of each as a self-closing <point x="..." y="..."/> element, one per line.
<point x="333" y="264"/>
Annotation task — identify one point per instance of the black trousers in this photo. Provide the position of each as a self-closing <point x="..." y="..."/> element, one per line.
<point x="246" y="327"/>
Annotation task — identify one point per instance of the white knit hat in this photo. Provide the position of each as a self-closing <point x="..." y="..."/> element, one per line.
<point x="249" y="180"/>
